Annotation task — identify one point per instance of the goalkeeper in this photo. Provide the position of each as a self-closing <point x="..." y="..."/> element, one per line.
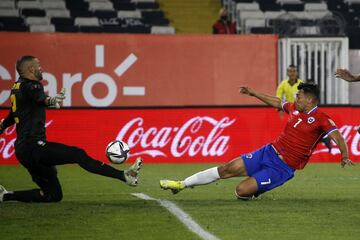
<point x="34" y="152"/>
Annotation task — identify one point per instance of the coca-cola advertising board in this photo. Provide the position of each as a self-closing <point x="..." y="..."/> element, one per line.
<point x="180" y="135"/>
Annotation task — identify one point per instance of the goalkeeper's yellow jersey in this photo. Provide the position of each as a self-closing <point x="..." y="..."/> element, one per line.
<point x="286" y="92"/>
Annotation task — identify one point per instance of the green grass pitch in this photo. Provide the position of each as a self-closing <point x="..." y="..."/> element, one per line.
<point x="321" y="202"/>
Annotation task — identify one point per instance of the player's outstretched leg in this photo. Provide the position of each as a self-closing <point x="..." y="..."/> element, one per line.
<point x="231" y="169"/>
<point x="57" y="154"/>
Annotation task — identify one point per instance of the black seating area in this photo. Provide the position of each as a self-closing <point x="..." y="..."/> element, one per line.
<point x="113" y="16"/>
<point x="298" y="17"/>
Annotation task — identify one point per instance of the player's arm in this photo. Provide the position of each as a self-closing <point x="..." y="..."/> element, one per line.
<point x="7" y="122"/>
<point x="268" y="99"/>
<point x="346" y="75"/>
<point x="340" y="141"/>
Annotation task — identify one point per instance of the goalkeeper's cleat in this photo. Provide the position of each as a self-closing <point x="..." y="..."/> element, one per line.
<point x="132" y="173"/>
<point x="2" y="193"/>
<point x="174" y="186"/>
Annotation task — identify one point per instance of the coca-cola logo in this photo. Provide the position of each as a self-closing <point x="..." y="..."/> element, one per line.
<point x="199" y="135"/>
<point x="7" y="141"/>
<point x="352" y="138"/>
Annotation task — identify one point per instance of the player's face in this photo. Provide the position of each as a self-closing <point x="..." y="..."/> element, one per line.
<point x="37" y="71"/>
<point x="301" y="101"/>
<point x="292" y="73"/>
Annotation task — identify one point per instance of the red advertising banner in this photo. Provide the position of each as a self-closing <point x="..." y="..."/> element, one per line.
<point x="191" y="135"/>
<point x="144" y="70"/>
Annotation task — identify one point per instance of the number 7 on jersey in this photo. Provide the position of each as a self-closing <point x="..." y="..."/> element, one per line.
<point x="298" y="122"/>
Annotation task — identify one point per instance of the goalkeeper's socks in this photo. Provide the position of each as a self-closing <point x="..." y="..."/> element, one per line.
<point x="201" y="178"/>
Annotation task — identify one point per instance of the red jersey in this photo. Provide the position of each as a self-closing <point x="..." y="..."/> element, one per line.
<point x="302" y="133"/>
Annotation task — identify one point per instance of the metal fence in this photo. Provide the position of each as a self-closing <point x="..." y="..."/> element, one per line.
<point x="317" y="59"/>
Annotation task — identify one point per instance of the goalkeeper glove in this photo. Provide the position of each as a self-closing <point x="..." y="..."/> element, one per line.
<point x="55" y="102"/>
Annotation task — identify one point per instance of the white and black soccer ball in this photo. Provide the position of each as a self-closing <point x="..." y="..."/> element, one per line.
<point x="117" y="151"/>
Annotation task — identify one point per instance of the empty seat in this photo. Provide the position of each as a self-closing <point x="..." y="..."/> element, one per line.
<point x="129" y="14"/>
<point x="11" y="20"/>
<point x="162" y="30"/>
<point x="268" y="6"/>
<point x="87" y="21"/>
<point x="93" y="6"/>
<point x="77" y="5"/>
<point x="7" y="4"/>
<point x="250" y="14"/>
<point x="124" y="6"/>
<point x="319" y="14"/>
<point x="33" y="12"/>
<point x="248" y="6"/>
<point x="262" y="30"/>
<point x="300" y="15"/>
<point x="62" y="21"/>
<point x="57" y="13"/>
<point x="352" y="1"/>
<point x="273" y="14"/>
<point x="81" y="13"/>
<point x="315" y="7"/>
<point x="147" y="5"/>
<point x="293" y="7"/>
<point x="53" y="5"/>
<point x="42" y="28"/>
<point x="29" y="4"/>
<point x="37" y="21"/>
<point x="9" y="12"/>
<point x="283" y="2"/>
<point x="155" y="18"/>
<point x="254" y="23"/>
<point x="105" y="14"/>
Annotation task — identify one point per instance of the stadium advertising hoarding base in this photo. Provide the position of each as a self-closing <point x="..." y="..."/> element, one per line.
<point x="190" y="135"/>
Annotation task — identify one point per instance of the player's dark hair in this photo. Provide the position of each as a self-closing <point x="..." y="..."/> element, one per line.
<point x="21" y="62"/>
<point x="292" y="66"/>
<point x="310" y="89"/>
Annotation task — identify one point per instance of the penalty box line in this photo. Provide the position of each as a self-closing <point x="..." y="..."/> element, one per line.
<point x="181" y="215"/>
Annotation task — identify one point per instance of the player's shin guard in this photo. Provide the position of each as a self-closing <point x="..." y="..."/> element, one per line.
<point x="202" y="178"/>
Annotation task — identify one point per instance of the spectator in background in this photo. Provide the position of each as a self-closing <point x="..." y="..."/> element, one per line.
<point x="224" y="25"/>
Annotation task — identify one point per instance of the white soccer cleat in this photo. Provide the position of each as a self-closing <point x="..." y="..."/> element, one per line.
<point x="2" y="193"/>
<point x="132" y="173"/>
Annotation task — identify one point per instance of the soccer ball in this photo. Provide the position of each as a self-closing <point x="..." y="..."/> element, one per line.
<point x="117" y="151"/>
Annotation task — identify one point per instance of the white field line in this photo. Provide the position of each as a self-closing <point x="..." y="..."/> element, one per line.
<point x="181" y="215"/>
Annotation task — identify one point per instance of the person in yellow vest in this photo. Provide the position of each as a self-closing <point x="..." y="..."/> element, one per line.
<point x="287" y="89"/>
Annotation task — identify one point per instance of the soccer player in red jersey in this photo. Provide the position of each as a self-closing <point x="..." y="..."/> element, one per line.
<point x="275" y="163"/>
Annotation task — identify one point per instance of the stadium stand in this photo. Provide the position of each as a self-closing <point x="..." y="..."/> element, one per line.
<point x="297" y="17"/>
<point x="113" y="16"/>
